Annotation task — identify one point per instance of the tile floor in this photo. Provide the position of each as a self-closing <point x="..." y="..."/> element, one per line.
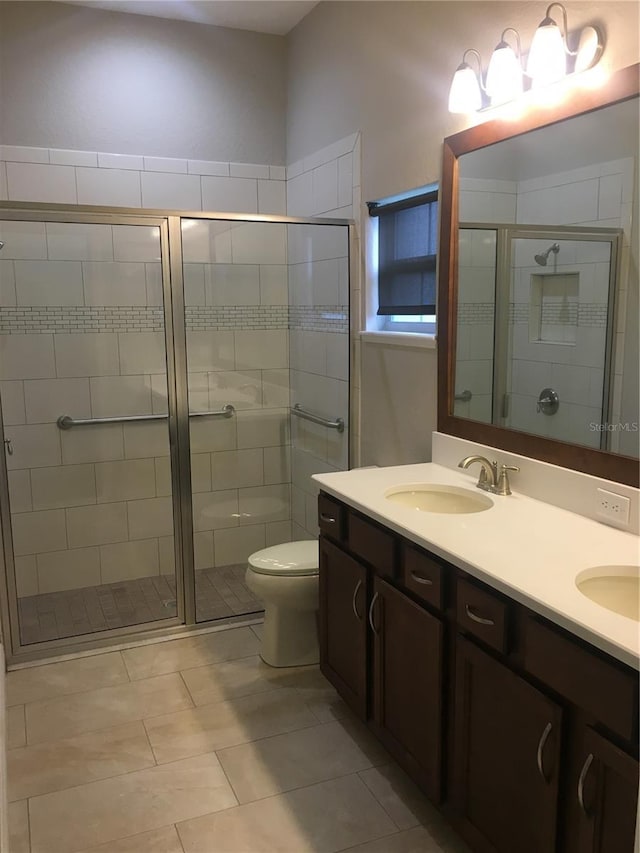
<point x="220" y="592"/>
<point x="195" y="746"/>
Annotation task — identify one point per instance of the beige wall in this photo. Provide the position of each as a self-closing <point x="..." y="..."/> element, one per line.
<point x="398" y="404"/>
<point x="384" y="68"/>
<point x="72" y="77"/>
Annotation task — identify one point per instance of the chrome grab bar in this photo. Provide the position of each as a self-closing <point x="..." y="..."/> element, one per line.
<point x="465" y="396"/>
<point x="299" y="412"/>
<point x="67" y="422"/>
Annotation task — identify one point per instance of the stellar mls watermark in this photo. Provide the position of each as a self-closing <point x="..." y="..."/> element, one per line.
<point x="621" y="426"/>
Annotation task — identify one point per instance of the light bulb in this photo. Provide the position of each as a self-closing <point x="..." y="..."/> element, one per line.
<point x="547" y="61"/>
<point x="504" y="75"/>
<point x="464" y="95"/>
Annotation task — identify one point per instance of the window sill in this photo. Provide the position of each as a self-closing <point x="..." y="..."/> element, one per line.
<point x="400" y="339"/>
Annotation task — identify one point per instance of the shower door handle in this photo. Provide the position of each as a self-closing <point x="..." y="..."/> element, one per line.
<point x="8" y="446"/>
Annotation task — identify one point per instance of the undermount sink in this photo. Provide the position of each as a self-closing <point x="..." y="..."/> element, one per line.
<point x="615" y="587"/>
<point x="426" y="497"/>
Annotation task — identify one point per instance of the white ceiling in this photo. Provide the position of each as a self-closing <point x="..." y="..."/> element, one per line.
<point x="263" y="16"/>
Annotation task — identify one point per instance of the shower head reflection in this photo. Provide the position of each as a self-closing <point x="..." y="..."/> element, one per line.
<point x="544" y="256"/>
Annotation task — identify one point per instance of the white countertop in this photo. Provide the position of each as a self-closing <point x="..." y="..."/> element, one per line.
<point x="531" y="551"/>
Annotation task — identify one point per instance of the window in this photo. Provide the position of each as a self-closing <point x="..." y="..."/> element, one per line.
<point x="407" y="244"/>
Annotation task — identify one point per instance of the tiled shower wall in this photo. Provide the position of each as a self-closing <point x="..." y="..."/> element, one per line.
<point x="125" y="180"/>
<point x="325" y="184"/>
<point x="558" y="338"/>
<point x="474" y="341"/>
<point x="238" y="352"/>
<point x="92" y="505"/>
<point x="598" y="196"/>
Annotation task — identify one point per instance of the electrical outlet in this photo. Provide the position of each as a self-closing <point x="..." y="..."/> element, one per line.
<point x="614" y="508"/>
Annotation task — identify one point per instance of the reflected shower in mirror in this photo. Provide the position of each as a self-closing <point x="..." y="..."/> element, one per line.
<point x="546" y="324"/>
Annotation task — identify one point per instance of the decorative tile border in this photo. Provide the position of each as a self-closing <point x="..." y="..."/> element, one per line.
<point x="586" y="314"/>
<point x="476" y="312"/>
<point x="319" y="318"/>
<point x="592" y="314"/>
<point x="203" y="318"/>
<point x="76" y="320"/>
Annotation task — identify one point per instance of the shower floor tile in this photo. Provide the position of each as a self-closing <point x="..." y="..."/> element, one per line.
<point x="220" y="592"/>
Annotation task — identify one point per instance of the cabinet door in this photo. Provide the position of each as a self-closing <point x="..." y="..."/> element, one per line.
<point x="343" y="625"/>
<point x="506" y="757"/>
<point x="606" y="788"/>
<point x="407" y="684"/>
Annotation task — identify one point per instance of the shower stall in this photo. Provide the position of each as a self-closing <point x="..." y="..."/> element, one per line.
<point x="168" y="385"/>
<point x="536" y="346"/>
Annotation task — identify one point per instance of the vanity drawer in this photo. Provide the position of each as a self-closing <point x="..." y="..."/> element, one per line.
<point x="482" y="614"/>
<point x="373" y="545"/>
<point x="599" y="686"/>
<point x="332" y="517"/>
<point x="422" y="575"/>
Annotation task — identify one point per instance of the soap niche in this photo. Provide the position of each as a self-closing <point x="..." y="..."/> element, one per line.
<point x="553" y="314"/>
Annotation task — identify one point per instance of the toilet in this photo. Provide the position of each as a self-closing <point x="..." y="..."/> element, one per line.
<point x="285" y="577"/>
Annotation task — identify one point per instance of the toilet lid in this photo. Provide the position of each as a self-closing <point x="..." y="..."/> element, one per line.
<point x="292" y="559"/>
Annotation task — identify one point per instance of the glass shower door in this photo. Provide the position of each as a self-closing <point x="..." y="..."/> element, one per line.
<point x="235" y="285"/>
<point x="83" y="370"/>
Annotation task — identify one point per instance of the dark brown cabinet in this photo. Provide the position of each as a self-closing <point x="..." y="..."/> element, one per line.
<point x="407" y="684"/>
<point x="605" y="786"/>
<point x="507" y="743"/>
<point x="343" y="625"/>
<point x="524" y="735"/>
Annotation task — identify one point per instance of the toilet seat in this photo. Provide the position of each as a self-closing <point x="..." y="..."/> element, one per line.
<point x="290" y="559"/>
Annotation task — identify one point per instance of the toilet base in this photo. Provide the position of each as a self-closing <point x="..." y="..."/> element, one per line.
<point x="290" y="637"/>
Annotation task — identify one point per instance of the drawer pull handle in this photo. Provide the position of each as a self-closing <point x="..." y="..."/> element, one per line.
<point x="354" y="603"/>
<point x="328" y="519"/>
<point x="583" y="778"/>
<point x="541" y="745"/>
<point x="371" y="606"/>
<point x="475" y="618"/>
<point x="421" y="579"/>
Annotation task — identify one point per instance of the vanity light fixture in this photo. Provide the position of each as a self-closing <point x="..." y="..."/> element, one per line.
<point x="546" y="64"/>
<point x="465" y="95"/>
<point x="547" y="60"/>
<point x="504" y="75"/>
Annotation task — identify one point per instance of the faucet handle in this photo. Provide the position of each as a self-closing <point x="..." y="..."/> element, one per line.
<point x="504" y="487"/>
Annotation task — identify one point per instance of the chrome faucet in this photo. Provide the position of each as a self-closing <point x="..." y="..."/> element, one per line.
<point x="489" y="479"/>
<point x="488" y="474"/>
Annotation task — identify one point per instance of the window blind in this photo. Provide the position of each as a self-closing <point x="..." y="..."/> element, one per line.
<point x="407" y="241"/>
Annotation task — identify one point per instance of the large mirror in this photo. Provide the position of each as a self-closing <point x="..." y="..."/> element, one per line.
<point x="538" y="302"/>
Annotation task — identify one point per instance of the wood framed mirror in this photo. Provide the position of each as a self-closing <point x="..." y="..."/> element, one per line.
<point x="538" y="282"/>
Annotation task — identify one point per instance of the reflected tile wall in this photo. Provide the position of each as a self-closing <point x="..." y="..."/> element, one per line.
<point x="599" y="195"/>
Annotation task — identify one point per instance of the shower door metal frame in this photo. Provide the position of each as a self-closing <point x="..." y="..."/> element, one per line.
<point x="16" y="650"/>
<point x="169" y="223"/>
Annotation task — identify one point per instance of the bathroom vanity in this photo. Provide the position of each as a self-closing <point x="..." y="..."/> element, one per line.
<point x="463" y="642"/>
